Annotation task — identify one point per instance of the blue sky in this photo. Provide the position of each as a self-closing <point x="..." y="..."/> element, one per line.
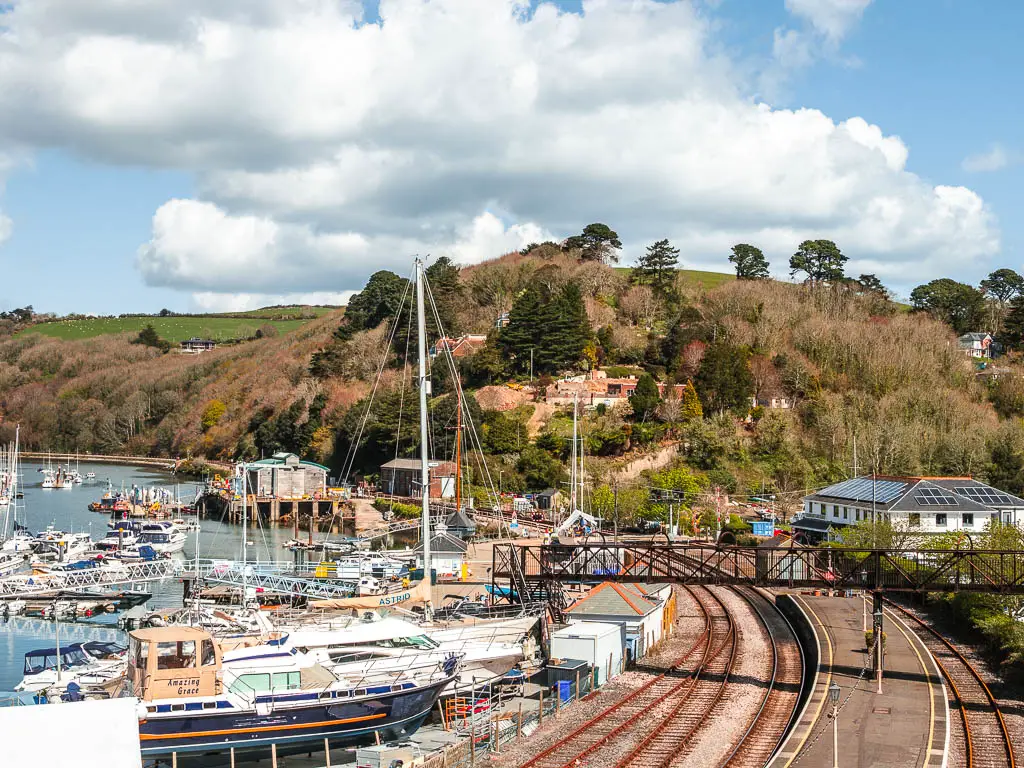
<point x="93" y="171"/>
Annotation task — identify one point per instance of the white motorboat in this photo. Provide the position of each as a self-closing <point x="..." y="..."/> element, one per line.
<point x="53" y="544"/>
<point x="163" y="536"/>
<point x="90" y="475"/>
<point x="10" y="562"/>
<point x="391" y="640"/>
<point x="119" y="538"/>
<point x="12" y="607"/>
<point x="89" y="663"/>
<point x="354" y="567"/>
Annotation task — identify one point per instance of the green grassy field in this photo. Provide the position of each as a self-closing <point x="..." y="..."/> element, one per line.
<point x="706" y="280"/>
<point x="175" y="329"/>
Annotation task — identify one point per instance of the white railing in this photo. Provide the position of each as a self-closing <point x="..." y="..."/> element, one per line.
<point x="275" y="577"/>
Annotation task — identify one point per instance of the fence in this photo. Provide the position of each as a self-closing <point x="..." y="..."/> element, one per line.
<point x="486" y="729"/>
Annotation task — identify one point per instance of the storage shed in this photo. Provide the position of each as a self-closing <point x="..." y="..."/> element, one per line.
<point x="447" y="554"/>
<point x="646" y="611"/>
<point x="401" y="477"/>
<point x="600" y="645"/>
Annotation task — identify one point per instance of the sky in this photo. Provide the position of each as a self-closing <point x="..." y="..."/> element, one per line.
<point x="212" y="155"/>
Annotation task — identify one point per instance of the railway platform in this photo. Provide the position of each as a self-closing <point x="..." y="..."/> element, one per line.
<point x="906" y="726"/>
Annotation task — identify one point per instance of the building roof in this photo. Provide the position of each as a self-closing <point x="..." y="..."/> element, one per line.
<point x="975" y="336"/>
<point x="415" y="464"/>
<point x="611" y="599"/>
<point x="815" y="524"/>
<point x="919" y="494"/>
<point x="280" y="459"/>
<point x="549" y="493"/>
<point x="459" y="519"/>
<point x="443" y="542"/>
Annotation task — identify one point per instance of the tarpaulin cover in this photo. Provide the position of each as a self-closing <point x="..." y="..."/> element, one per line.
<point x="83" y="734"/>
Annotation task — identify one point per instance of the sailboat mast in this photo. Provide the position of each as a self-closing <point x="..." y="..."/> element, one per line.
<point x="458" y="451"/>
<point x="424" y="387"/>
<point x="572" y="462"/>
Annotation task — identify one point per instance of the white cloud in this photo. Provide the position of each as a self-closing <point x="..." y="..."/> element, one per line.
<point x="995" y="159"/>
<point x="325" y="148"/>
<point x="832" y="18"/>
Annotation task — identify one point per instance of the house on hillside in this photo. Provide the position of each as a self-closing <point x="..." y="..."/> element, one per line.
<point x="598" y="388"/>
<point x="771" y="399"/>
<point x="401" y="477"/>
<point x="196" y="345"/>
<point x="977" y="344"/>
<point x="501" y="321"/>
<point x="925" y="505"/>
<point x="464" y="346"/>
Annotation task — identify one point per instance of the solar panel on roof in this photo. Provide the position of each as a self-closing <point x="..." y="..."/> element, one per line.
<point x="865" y="489"/>
<point x="985" y="495"/>
<point x="935" y="497"/>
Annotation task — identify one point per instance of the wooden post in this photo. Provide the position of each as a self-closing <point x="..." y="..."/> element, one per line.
<point x="472" y="743"/>
<point x="376" y="736"/>
<point x="519" y="722"/>
<point x="174" y="755"/>
<point x="540" y="709"/>
<point x="577" y="685"/>
<point x="232" y="757"/>
<point x="327" y="752"/>
<point x="273" y="755"/>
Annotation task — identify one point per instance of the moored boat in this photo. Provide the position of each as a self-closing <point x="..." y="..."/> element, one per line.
<point x="198" y="698"/>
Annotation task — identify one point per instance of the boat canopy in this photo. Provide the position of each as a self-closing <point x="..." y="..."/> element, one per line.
<point x="43" y="659"/>
<point x="174" y="662"/>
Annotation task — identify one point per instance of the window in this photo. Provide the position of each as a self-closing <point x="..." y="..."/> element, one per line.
<point x="248" y="684"/>
<point x="286" y="681"/>
<point x="176" y="655"/>
<point x="940" y="520"/>
<point x="844" y="513"/>
<point x="835" y="511"/>
<point x="209" y="656"/>
<point x="915" y="519"/>
<point x="968" y="519"/>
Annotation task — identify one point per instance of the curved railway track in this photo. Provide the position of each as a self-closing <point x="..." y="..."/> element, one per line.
<point x="987" y="742"/>
<point x="778" y="707"/>
<point x="669" y="733"/>
<point x="594" y="734"/>
<point x="658" y="724"/>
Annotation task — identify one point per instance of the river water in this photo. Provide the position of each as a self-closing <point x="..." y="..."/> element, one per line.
<point x="67" y="509"/>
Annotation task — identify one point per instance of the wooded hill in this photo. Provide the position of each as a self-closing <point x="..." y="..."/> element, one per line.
<point x="856" y="371"/>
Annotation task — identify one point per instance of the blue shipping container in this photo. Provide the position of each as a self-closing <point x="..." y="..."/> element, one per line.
<point x="564" y="690"/>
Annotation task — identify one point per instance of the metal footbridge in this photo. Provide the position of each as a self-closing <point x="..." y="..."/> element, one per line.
<point x="281" y="578"/>
<point x="536" y="570"/>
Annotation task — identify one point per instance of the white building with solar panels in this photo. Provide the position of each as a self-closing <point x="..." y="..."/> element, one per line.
<point x="923" y="504"/>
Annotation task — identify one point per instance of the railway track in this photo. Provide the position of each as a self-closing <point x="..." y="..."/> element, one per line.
<point x="582" y="743"/>
<point x="778" y="707"/>
<point x="986" y="740"/>
<point x="669" y="733"/>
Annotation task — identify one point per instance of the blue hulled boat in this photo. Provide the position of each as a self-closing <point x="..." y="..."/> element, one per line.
<point x="199" y="698"/>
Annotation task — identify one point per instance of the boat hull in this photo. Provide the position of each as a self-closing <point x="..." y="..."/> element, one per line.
<point x="294" y="728"/>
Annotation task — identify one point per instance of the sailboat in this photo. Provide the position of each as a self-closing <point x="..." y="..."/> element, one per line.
<point x="15" y="542"/>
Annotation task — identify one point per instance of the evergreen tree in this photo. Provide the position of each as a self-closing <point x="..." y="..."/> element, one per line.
<point x="820" y="260"/>
<point x="378" y="301"/>
<point x="871" y="284"/>
<point x="750" y="262"/>
<point x="553" y="325"/>
<point x="645" y="398"/>
<point x="724" y="381"/>
<point x="443" y="279"/>
<point x="1012" y="335"/>
<point x="958" y="304"/>
<point x="148" y="337"/>
<point x="599" y="242"/>
<point x="657" y="267"/>
<point x="692" y="410"/>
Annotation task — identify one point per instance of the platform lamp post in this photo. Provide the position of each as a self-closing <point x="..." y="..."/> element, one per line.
<point x="834" y="692"/>
<point x="878" y="645"/>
